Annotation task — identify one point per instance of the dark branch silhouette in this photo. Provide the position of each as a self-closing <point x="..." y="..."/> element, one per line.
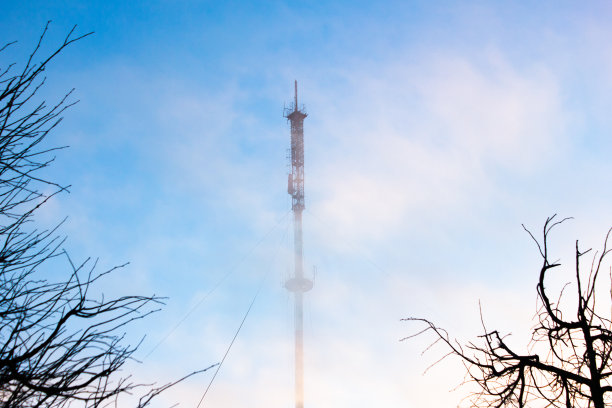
<point x="59" y="343"/>
<point x="568" y="363"/>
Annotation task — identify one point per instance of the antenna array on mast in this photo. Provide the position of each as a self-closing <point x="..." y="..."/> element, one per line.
<point x="297" y="284"/>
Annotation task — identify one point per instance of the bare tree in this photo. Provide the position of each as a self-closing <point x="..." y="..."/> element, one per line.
<point x="568" y="362"/>
<point x="59" y="344"/>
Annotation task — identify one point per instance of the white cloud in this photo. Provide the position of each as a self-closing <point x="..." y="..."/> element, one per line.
<point x="390" y="160"/>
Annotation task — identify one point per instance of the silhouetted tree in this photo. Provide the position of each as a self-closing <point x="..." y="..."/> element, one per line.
<point x="59" y="344"/>
<point x="569" y="360"/>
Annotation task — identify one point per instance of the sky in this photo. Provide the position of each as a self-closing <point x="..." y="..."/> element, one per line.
<point x="435" y="130"/>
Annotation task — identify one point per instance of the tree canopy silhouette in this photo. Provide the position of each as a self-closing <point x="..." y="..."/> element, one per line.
<point x="569" y="359"/>
<point x="59" y="343"/>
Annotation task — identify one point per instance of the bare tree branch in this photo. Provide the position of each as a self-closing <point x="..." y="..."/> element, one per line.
<point x="59" y="343"/>
<point x="570" y="360"/>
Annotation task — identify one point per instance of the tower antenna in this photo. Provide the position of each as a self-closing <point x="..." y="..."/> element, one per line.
<point x="298" y="284"/>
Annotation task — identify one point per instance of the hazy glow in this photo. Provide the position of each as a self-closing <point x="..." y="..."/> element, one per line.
<point x="434" y="131"/>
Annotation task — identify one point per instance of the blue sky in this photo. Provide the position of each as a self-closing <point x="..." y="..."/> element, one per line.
<point x="434" y="131"/>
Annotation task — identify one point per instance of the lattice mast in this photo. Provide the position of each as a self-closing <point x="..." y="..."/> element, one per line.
<point x="298" y="284"/>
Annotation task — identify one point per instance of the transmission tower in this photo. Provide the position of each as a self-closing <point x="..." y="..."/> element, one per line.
<point x="298" y="284"/>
